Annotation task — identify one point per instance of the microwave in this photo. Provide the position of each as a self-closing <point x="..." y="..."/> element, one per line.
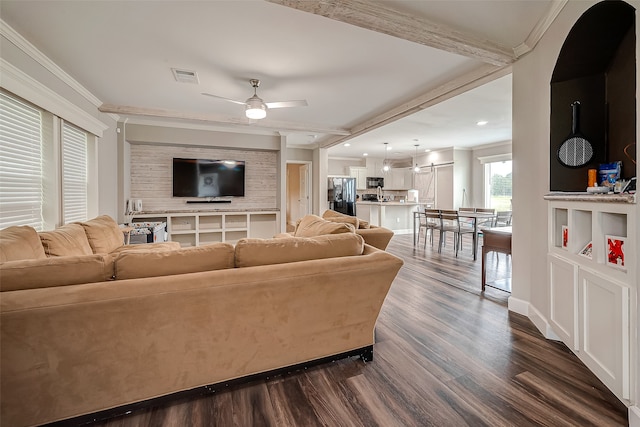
<point x="375" y="182"/>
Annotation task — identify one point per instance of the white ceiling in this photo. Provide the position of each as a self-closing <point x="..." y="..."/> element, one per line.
<point x="353" y="78"/>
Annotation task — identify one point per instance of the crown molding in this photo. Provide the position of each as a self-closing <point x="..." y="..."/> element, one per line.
<point x="34" y="53"/>
<point x="23" y="85"/>
<point x="541" y="27"/>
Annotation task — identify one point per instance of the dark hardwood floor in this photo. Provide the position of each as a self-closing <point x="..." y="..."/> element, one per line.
<point x="446" y="355"/>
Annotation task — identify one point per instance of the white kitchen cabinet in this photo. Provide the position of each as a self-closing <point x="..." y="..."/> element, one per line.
<point x="398" y="179"/>
<point x="360" y="174"/>
<point x="590" y="300"/>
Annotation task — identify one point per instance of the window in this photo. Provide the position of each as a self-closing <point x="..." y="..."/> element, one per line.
<point x="21" y="178"/>
<point x="498" y="185"/>
<point x="74" y="174"/>
<point x="44" y="164"/>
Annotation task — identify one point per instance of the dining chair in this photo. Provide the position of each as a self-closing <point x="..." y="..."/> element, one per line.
<point x="502" y="219"/>
<point x="431" y="223"/>
<point x="450" y="222"/>
<point x="486" y="222"/>
<point x="466" y="226"/>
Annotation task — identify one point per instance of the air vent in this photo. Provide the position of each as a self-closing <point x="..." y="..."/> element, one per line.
<point x="185" y="76"/>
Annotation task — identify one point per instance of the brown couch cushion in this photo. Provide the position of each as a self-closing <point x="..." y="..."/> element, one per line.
<point x="148" y="247"/>
<point x="55" y="271"/>
<point x="253" y="252"/>
<point x="20" y="242"/>
<point x="67" y="240"/>
<point x="345" y="220"/>
<point x="104" y="234"/>
<point x="135" y="264"/>
<point x="313" y="225"/>
<point x="331" y="215"/>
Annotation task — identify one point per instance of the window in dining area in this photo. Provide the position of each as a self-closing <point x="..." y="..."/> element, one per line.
<point x="498" y="185"/>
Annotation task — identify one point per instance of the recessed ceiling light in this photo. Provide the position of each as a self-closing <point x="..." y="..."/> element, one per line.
<point x="482" y="122"/>
<point x="389" y="147"/>
<point x="365" y="154"/>
<point x="427" y="150"/>
<point x="346" y="144"/>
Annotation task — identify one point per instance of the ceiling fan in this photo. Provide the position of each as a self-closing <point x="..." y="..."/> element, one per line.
<point x="255" y="107"/>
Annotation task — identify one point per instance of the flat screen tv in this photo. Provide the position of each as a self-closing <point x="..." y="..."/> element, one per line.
<point x="208" y="178"/>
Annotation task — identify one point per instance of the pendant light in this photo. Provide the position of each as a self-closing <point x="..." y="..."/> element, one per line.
<point x="416" y="168"/>
<point x="385" y="164"/>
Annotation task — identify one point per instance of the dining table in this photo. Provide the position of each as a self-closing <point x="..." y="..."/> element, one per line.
<point x="475" y="216"/>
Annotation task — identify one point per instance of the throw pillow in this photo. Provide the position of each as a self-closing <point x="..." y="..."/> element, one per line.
<point x="329" y="214"/>
<point x="254" y="252"/>
<point x="313" y="225"/>
<point x="20" y="242"/>
<point x="104" y="234"/>
<point x="67" y="240"/>
<point x="345" y="220"/>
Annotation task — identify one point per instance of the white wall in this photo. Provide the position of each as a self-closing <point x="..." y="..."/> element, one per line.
<point x="531" y="129"/>
<point x="462" y="185"/>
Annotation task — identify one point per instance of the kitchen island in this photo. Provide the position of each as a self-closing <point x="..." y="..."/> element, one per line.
<point x="396" y="216"/>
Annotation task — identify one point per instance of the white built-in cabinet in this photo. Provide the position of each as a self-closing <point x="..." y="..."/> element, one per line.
<point x="394" y="179"/>
<point x="201" y="228"/>
<point x="591" y="302"/>
<point x="360" y="174"/>
<point x="398" y="179"/>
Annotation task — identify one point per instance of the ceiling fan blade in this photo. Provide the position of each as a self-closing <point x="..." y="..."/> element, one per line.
<point x="286" y="104"/>
<point x="226" y="99"/>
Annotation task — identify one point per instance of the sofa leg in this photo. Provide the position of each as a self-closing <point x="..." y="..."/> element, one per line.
<point x="367" y="354"/>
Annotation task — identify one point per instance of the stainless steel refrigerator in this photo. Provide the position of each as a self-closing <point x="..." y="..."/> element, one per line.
<point x="342" y="195"/>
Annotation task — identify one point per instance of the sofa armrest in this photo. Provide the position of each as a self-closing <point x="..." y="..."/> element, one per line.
<point x="378" y="237"/>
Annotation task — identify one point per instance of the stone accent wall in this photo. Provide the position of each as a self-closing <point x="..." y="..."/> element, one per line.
<point x="152" y="169"/>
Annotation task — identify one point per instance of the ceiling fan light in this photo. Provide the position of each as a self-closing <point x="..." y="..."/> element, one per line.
<point x="255" y="109"/>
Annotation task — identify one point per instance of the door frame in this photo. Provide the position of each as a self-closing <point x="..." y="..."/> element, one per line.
<point x="309" y="165"/>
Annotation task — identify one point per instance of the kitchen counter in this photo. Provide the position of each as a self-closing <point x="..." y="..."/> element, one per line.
<point x="396" y="216"/>
<point x="394" y="203"/>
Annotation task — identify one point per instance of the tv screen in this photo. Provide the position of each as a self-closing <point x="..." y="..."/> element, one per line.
<point x="207" y="178"/>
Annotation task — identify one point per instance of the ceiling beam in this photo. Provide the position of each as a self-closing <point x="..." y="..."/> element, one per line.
<point x="376" y="17"/>
<point x="457" y="86"/>
<point x="221" y="119"/>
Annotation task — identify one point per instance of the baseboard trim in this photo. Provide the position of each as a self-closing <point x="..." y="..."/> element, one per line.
<point x="526" y="309"/>
<point x="518" y="306"/>
<point x="634" y="416"/>
<point x="364" y="353"/>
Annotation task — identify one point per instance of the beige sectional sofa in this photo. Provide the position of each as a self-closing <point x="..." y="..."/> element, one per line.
<point x="378" y="237"/>
<point x="140" y="323"/>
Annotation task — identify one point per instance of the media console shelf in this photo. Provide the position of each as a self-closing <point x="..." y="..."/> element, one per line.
<point x="201" y="228"/>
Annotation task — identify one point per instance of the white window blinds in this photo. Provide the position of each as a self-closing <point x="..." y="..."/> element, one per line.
<point x="20" y="164"/>
<point x="74" y="174"/>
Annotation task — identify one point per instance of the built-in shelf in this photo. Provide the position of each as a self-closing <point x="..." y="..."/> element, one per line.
<point x="201" y="228"/>
<point x="589" y="296"/>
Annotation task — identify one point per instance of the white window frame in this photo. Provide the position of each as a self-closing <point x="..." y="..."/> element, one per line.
<point x="52" y="207"/>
